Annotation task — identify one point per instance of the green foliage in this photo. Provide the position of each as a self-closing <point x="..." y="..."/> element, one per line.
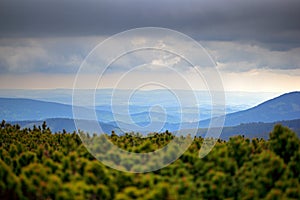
<point x="9" y="185"/>
<point x="258" y="176"/>
<point x="239" y="149"/>
<point x="284" y="142"/>
<point x="37" y="164"/>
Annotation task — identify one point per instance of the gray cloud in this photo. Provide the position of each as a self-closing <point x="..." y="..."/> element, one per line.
<point x="64" y="56"/>
<point x="42" y="55"/>
<point x="241" y="57"/>
<point x="274" y="23"/>
<point x="55" y="36"/>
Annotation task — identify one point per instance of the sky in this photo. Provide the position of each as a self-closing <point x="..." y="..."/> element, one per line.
<point x="255" y="44"/>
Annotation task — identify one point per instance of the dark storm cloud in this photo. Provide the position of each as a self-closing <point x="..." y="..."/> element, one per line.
<point x="55" y="36"/>
<point x="272" y="22"/>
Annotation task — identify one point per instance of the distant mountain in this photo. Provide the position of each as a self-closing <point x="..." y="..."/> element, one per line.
<point x="60" y="124"/>
<point x="18" y="109"/>
<point x="249" y="130"/>
<point x="284" y="107"/>
<point x="141" y="98"/>
<point x="254" y="122"/>
<point x="255" y="130"/>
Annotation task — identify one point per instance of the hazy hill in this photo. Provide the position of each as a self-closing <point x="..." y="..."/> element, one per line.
<point x="60" y="124"/>
<point x="284" y="107"/>
<point x="18" y="109"/>
<point x="255" y="129"/>
<point x="249" y="130"/>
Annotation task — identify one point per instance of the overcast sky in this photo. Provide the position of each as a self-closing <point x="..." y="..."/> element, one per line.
<point x="255" y="43"/>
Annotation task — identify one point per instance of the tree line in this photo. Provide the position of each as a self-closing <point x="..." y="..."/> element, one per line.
<point x="38" y="164"/>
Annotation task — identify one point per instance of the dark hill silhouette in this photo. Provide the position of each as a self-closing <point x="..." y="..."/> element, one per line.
<point x="284" y="107"/>
<point x="60" y="124"/>
<point x="19" y="109"/>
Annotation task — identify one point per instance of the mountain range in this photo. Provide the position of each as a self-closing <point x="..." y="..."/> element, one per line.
<point x="283" y="107"/>
<point x="26" y="112"/>
<point x="18" y="109"/>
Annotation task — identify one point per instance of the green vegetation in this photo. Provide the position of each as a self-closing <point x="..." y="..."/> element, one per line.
<point x="37" y="164"/>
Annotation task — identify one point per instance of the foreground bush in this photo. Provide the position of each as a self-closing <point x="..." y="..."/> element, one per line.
<point x="38" y="164"/>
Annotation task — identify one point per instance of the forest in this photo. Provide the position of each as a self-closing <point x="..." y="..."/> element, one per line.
<point x="38" y="164"/>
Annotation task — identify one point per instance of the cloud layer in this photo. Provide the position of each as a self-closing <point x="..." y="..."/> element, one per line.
<point x="54" y="37"/>
<point x="273" y="22"/>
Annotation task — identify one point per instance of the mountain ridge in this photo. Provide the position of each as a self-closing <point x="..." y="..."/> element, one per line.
<point x="249" y="130"/>
<point x="283" y="107"/>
